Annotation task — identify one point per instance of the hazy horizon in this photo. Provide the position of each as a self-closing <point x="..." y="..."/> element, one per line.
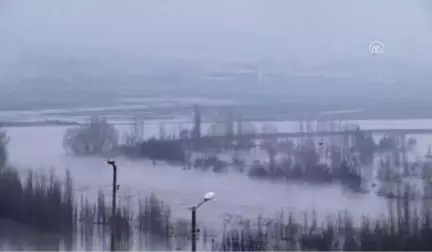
<point x="221" y="30"/>
<point x="98" y="45"/>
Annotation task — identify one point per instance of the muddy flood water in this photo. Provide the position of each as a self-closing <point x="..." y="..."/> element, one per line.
<point x="40" y="148"/>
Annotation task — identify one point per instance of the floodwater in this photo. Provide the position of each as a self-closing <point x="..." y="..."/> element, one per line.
<point x="40" y="148"/>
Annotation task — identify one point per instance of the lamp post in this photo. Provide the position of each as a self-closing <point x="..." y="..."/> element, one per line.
<point x="209" y="196"/>
<point x="114" y="196"/>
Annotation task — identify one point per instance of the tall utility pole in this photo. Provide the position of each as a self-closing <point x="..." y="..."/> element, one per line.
<point x="114" y="199"/>
<point x="197" y="122"/>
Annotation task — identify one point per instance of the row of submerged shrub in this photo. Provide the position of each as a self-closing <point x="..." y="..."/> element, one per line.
<point x="39" y="201"/>
<point x="49" y="205"/>
<point x="341" y="234"/>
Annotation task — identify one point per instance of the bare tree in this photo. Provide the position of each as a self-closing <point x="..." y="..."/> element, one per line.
<point x="97" y="137"/>
<point x="4" y="140"/>
<point x="270" y="144"/>
<point x="162" y="132"/>
<point x="136" y="133"/>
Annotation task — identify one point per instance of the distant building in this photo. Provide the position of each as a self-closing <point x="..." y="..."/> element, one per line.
<point x="244" y="75"/>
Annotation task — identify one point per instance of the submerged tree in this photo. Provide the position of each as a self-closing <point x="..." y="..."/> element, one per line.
<point x="136" y="133"/>
<point x="97" y="137"/>
<point x="4" y="139"/>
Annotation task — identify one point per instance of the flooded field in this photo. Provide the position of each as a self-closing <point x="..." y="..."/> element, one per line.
<point x="40" y="148"/>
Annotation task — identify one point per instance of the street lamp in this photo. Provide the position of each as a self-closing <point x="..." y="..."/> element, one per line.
<point x="114" y="195"/>
<point x="207" y="197"/>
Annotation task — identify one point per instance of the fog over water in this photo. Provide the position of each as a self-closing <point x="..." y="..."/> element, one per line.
<point x="301" y="30"/>
<point x="66" y="53"/>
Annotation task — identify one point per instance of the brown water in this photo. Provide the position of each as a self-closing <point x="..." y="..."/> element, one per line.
<point x="41" y="148"/>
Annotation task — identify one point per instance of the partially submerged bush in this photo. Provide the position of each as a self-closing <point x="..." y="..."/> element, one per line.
<point x="95" y="138"/>
<point x="40" y="202"/>
<point x="154" y="217"/>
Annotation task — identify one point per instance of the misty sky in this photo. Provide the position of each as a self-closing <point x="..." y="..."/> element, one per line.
<point x="224" y="29"/>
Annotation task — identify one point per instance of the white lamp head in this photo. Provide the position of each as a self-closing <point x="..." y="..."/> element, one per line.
<point x="209" y="196"/>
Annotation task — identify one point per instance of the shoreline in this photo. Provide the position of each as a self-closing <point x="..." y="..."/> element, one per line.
<point x="14" y="124"/>
<point x="45" y="123"/>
